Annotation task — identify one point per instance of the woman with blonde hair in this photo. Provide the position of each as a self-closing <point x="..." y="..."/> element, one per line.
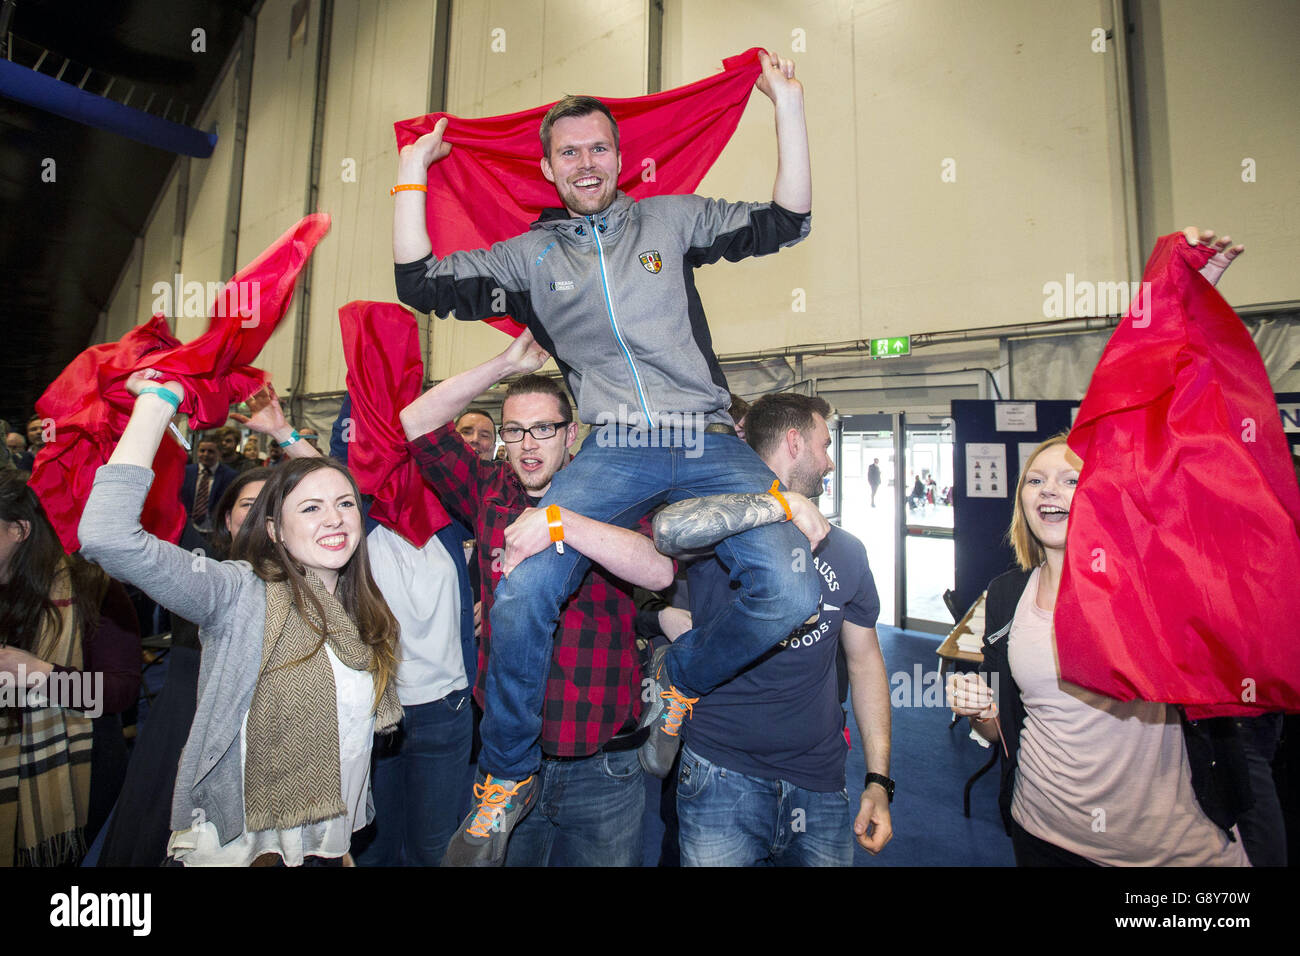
<point x="299" y="652"/>
<point x="1086" y="780"/>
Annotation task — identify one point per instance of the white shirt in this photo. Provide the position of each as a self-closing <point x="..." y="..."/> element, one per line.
<point x="423" y="590"/>
<point x="354" y="691"/>
<point x="1105" y="779"/>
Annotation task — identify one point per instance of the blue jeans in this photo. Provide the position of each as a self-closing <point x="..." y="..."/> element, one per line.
<point x="779" y="587"/>
<point x="421" y="782"/>
<point x="730" y="819"/>
<point x="594" y="806"/>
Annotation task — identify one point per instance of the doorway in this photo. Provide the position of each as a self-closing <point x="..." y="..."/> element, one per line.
<point x="900" y="517"/>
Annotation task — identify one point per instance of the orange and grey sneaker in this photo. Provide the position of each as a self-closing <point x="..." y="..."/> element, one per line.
<point x="664" y="714"/>
<point x="482" y="838"/>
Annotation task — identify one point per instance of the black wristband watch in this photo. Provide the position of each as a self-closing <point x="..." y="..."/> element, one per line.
<point x="884" y="781"/>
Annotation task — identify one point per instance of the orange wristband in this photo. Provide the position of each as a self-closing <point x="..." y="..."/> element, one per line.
<point x="775" y="491"/>
<point x="397" y="189"/>
<point x="557" y="527"/>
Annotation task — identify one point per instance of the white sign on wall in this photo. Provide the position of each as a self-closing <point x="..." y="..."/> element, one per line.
<point x="986" y="470"/>
<point x="1016" y="416"/>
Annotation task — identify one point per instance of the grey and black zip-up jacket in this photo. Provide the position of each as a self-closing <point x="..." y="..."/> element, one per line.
<point x="612" y="297"/>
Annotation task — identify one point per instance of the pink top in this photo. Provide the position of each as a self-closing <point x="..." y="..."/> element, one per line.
<point x="1106" y="779"/>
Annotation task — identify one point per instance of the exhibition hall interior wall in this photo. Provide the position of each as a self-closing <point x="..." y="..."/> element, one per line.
<point x="967" y="160"/>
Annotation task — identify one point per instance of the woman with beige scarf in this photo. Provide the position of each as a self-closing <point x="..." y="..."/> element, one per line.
<point x="69" y="666"/>
<point x="299" y="652"/>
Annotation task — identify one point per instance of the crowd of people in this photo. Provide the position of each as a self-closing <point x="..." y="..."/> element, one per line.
<point x="669" y="601"/>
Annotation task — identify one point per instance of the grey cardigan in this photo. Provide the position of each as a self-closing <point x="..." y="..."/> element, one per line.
<point x="228" y="603"/>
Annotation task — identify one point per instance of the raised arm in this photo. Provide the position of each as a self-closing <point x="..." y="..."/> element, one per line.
<point x="440" y="404"/>
<point x="410" y="236"/>
<point x="267" y="418"/>
<point x="1224" y="252"/>
<point x="793" y="188"/>
<point x="195" y="587"/>
<point x="870" y="688"/>
<point x="695" y="525"/>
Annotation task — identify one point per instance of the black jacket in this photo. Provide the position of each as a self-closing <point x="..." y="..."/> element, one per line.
<point x="1215" y="756"/>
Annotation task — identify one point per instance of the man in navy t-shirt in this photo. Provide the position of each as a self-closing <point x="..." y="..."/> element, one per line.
<point x="762" y="768"/>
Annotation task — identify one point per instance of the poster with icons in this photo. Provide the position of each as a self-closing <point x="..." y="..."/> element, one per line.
<point x="986" y="470"/>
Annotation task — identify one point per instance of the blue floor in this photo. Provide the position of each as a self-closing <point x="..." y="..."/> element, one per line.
<point x="930" y="764"/>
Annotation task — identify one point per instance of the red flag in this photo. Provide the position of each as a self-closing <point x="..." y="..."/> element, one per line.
<point x="381" y="382"/>
<point x="1184" y="544"/>
<point x="87" y="427"/>
<point x="490" y="187"/>
<point x="90" y="405"/>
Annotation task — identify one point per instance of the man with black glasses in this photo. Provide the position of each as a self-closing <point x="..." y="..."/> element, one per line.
<point x="589" y="790"/>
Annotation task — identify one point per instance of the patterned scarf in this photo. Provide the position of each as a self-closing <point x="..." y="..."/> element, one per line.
<point x="291" y="768"/>
<point x="45" y="764"/>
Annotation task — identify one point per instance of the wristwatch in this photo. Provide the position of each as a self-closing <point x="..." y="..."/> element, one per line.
<point x="884" y="781"/>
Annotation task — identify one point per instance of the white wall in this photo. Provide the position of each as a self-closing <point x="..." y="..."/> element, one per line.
<point x="1011" y="90"/>
<point x="380" y="63"/>
<point x="208" y="198"/>
<point x="277" y="155"/>
<point x="1227" y="92"/>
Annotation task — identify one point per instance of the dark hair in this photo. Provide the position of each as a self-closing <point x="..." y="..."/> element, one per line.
<point x="739" y="408"/>
<point x="25" y="604"/>
<point x="574" y="106"/>
<point x="223" y="431"/>
<point x="772" y="416"/>
<point x="541" y="385"/>
<point x="475" y="410"/>
<point x="220" y="537"/>
<point x="356" y="589"/>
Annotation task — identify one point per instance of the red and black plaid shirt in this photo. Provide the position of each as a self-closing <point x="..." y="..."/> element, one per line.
<point x="593" y="689"/>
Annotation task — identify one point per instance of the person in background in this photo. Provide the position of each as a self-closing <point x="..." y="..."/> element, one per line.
<point x="71" y="630"/>
<point x="873" y="478"/>
<point x="17" y="446"/>
<point x="228" y="439"/>
<point x="36" y="434"/>
<point x="479" y="431"/>
<point x="206" y="480"/>
<point x="252" y="453"/>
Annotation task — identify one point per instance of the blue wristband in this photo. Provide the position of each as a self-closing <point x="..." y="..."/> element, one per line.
<point x="166" y="394"/>
<point x="293" y="437"/>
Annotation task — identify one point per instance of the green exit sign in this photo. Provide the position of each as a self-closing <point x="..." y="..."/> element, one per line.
<point x="887" y="348"/>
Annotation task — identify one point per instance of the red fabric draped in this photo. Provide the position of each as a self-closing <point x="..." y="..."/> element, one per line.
<point x="381" y="382"/>
<point x="490" y="187"/>
<point x="87" y="427"/>
<point x="90" y="405"/>
<point x="1184" y="544"/>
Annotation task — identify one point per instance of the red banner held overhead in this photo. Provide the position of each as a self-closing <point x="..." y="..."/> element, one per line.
<point x="89" y="404"/>
<point x="1183" y="550"/>
<point x="381" y="382"/>
<point x="490" y="186"/>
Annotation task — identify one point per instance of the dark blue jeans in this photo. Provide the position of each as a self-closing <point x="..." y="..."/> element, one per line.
<point x="593" y="807"/>
<point x="731" y="819"/>
<point x="779" y="587"/>
<point x="421" y="782"/>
